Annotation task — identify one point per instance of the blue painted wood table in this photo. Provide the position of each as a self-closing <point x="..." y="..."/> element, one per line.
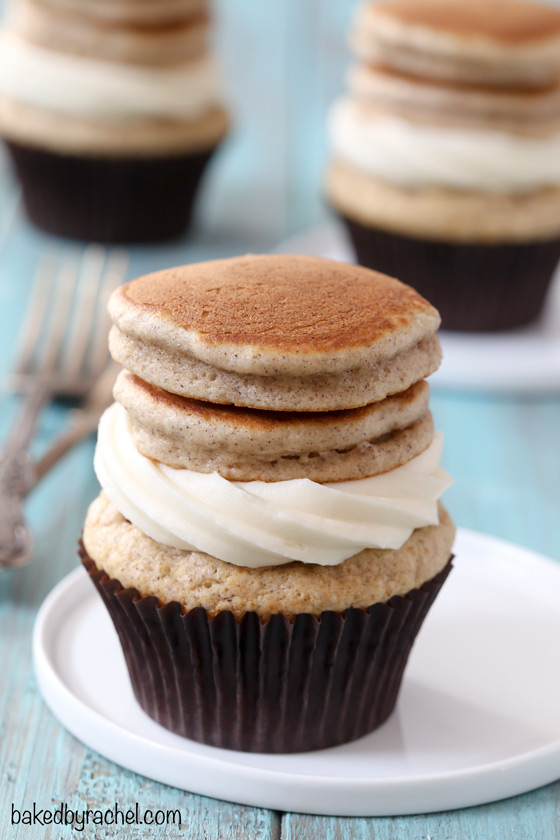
<point x="284" y="64"/>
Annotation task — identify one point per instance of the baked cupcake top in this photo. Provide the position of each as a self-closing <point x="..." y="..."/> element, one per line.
<point x="200" y="580"/>
<point x="281" y="333"/>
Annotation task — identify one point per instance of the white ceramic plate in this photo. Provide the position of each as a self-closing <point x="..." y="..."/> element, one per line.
<point x="525" y="360"/>
<point x="477" y="718"/>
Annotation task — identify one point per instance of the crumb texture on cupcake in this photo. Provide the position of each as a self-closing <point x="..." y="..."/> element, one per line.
<point x="195" y="579"/>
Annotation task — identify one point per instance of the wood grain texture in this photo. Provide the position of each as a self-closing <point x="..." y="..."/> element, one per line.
<point x="283" y="64"/>
<point x="533" y="816"/>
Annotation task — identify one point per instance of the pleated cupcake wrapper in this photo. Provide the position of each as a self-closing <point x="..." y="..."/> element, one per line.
<point x="109" y="199"/>
<point x="265" y="686"/>
<point x="475" y="287"/>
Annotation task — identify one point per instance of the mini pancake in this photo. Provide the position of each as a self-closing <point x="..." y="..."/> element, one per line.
<point x="128" y="11"/>
<point x="78" y="33"/>
<point x="283" y="333"/>
<point x="527" y="111"/>
<point x="489" y="41"/>
<point x="253" y="445"/>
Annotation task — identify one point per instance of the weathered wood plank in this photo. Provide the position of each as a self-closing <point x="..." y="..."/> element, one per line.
<point x="534" y="816"/>
<point x="101" y="784"/>
<point x="505" y="458"/>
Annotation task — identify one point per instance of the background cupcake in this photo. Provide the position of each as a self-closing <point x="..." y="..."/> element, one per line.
<point x="446" y="153"/>
<point x="269" y="537"/>
<point x="109" y="109"/>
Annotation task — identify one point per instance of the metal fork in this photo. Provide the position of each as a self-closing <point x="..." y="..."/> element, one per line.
<point x="63" y="351"/>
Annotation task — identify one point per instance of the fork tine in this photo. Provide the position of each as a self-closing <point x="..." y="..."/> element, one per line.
<point x="84" y="320"/>
<point x="115" y="274"/>
<point x="64" y="341"/>
<point x="67" y="278"/>
<point x="41" y="294"/>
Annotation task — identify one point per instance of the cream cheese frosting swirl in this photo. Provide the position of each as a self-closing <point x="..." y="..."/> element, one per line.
<point x="91" y="88"/>
<point x="417" y="156"/>
<point x="258" y="523"/>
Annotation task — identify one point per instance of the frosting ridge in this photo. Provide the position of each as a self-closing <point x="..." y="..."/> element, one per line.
<point x="415" y="156"/>
<point x="88" y="87"/>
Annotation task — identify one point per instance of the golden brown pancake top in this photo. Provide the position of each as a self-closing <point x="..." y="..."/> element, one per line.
<point x="508" y="21"/>
<point x="289" y="303"/>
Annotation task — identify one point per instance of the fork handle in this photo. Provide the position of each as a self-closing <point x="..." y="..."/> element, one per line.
<point x="16" y="476"/>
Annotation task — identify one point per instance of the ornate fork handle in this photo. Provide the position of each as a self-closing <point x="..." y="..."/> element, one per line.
<point x="16" y="477"/>
<point x="16" y="474"/>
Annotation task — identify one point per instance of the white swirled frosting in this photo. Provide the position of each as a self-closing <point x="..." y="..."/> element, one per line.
<point x="417" y="156"/>
<point x="266" y="524"/>
<point x="86" y="87"/>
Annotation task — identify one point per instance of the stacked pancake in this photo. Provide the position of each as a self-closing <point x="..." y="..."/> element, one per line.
<point x="446" y="153"/>
<point x="157" y="34"/>
<point x="128" y="86"/>
<point x="271" y="461"/>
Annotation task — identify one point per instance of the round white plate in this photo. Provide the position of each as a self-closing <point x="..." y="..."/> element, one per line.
<point x="525" y="360"/>
<point x="477" y="718"/>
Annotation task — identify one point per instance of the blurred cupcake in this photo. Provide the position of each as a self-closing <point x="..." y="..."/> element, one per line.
<point x="269" y="537"/>
<point x="111" y="112"/>
<point x="446" y="153"/>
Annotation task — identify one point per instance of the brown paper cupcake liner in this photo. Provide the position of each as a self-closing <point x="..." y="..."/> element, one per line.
<point x="265" y="686"/>
<point x="104" y="199"/>
<point x="475" y="287"/>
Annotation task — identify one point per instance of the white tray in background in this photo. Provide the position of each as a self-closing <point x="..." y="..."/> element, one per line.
<point x="477" y="718"/>
<point x="526" y="360"/>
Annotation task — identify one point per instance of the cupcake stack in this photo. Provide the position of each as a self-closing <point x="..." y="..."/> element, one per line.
<point x="446" y="153"/>
<point x="269" y="537"/>
<point x="111" y="110"/>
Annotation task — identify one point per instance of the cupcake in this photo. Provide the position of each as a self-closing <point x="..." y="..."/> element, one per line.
<point x="269" y="536"/>
<point x="446" y="153"/>
<point x="110" y="112"/>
